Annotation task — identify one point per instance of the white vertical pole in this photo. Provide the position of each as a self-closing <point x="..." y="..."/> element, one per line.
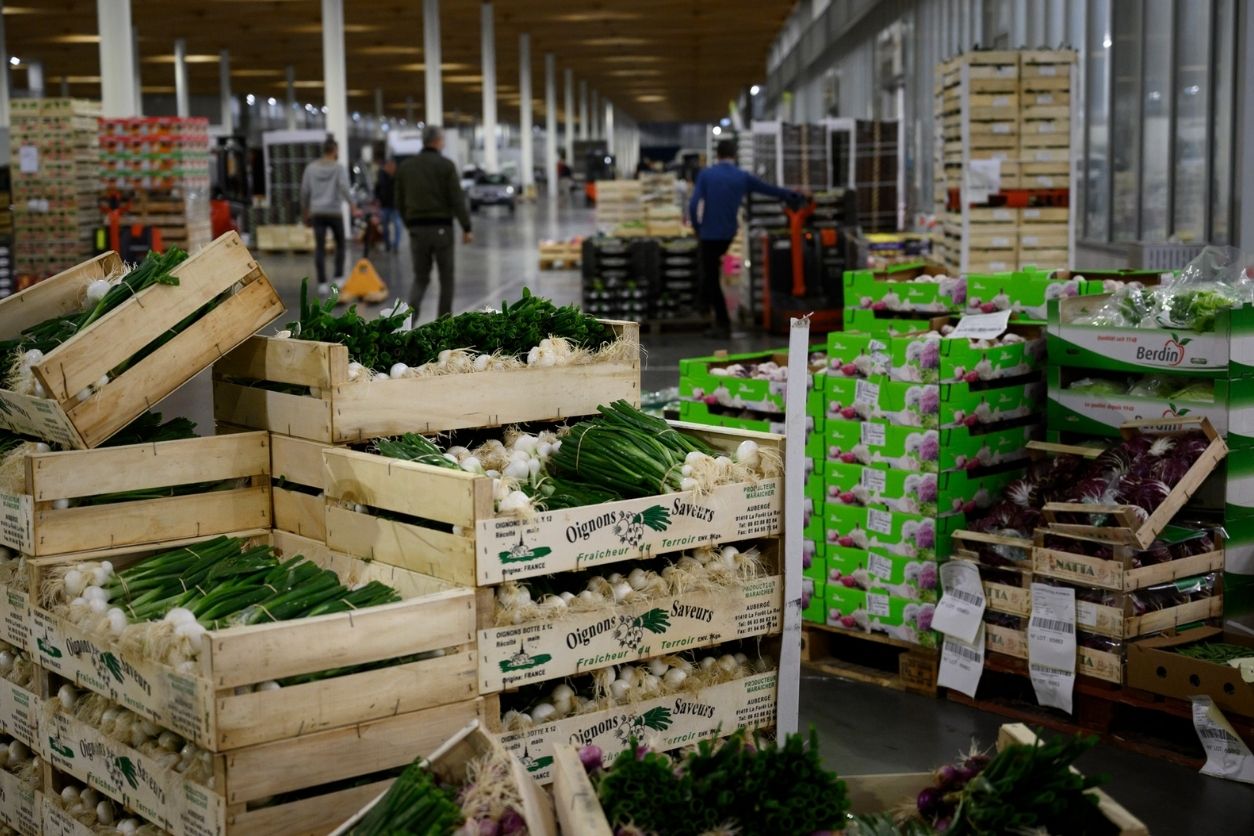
<point x="1018" y="23"/>
<point x="290" y="99"/>
<point x="224" y="91"/>
<point x="788" y="693"/>
<point x="4" y="88"/>
<point x="139" y="86"/>
<point x="528" y="163"/>
<point x="181" y="102"/>
<point x="610" y="138"/>
<point x="334" y="80"/>
<point x="550" y="123"/>
<point x="488" y="48"/>
<point x="977" y="22"/>
<point x="594" y="129"/>
<point x="570" y="117"/>
<point x="431" y="60"/>
<point x="583" y="112"/>
<point x="35" y="79"/>
<point x="1056" y="24"/>
<point x="117" y="58"/>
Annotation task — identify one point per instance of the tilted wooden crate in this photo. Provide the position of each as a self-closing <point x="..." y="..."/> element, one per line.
<point x="203" y="706"/>
<point x="452" y="532"/>
<point x="33" y="523"/>
<point x="297" y="487"/>
<point x="81" y="361"/>
<point x="247" y="384"/>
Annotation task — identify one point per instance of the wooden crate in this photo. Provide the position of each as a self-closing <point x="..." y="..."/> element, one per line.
<point x="664" y="723"/>
<point x="537" y="651"/>
<point x="20" y="710"/>
<point x="987" y="243"/>
<point x="32" y="523"/>
<point x="994" y="261"/>
<point x="203" y="706"/>
<point x="1035" y="239"/>
<point x="297" y="486"/>
<point x="1131" y="530"/>
<point x="115" y="338"/>
<point x="15" y="613"/>
<point x="873" y="658"/>
<point x="994" y="215"/>
<point x="483" y="549"/>
<point x="449" y="763"/>
<point x="343" y="412"/>
<point x="20" y="806"/>
<point x="1118" y="573"/>
<point x="303" y="763"/>
<point x="1044" y="214"/>
<point x="1097" y="664"/>
<point x="1051" y="133"/>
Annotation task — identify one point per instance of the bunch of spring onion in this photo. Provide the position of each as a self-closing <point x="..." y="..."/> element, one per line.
<point x="162" y="606"/>
<point x="628" y="684"/>
<point x="724" y="786"/>
<point x="16" y="758"/>
<point x="99" y="298"/>
<point x="130" y="729"/>
<point x="100" y="813"/>
<point x="705" y="568"/>
<point x="16" y="666"/>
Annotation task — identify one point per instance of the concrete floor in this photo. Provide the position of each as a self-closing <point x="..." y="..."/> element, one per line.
<point x="863" y="729"/>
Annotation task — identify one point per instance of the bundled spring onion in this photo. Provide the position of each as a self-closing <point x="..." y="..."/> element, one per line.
<point x="162" y="606"/>
<point x="99" y="812"/>
<point x="101" y="296"/>
<point x="728" y="786"/>
<point x="415" y="803"/>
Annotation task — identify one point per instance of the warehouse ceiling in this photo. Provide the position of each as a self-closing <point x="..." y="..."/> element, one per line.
<point x="658" y="60"/>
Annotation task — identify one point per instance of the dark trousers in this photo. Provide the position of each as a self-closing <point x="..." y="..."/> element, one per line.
<point x="711" y="274"/>
<point x="321" y="223"/>
<point x="432" y="244"/>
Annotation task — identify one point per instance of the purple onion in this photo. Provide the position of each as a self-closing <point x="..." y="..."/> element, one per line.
<point x="928" y="800"/>
<point x="511" y="823"/>
<point x="641" y="751"/>
<point x="946" y="776"/>
<point x="487" y="827"/>
<point x="591" y="757"/>
<point x="941" y="825"/>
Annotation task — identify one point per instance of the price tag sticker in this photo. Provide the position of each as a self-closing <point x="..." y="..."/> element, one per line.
<point x="880" y="521"/>
<point x="962" y="663"/>
<point x="873" y="433"/>
<point x="1052" y="645"/>
<point x="960" y="611"/>
<point x="1085" y="614"/>
<point x="866" y="392"/>
<point x="874" y="479"/>
<point x="880" y="566"/>
<point x="877" y="604"/>
<point x="1227" y="755"/>
<point x="28" y="159"/>
<point x="987" y="326"/>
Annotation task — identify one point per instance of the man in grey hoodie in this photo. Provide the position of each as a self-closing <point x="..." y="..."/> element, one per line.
<point x="323" y="191"/>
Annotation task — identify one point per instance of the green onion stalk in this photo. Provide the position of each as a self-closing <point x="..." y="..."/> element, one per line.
<point x="414" y="804"/>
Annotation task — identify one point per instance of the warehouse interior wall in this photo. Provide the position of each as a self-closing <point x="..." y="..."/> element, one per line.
<point x="1163" y="90"/>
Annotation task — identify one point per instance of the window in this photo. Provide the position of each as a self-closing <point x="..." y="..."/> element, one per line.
<point x="1192" y="90"/>
<point x="1156" y="121"/>
<point x="1224" y="108"/>
<point x="1125" y="148"/>
<point x="1097" y="192"/>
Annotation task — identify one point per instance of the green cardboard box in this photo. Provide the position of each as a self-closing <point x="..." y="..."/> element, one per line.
<point x="926" y="494"/>
<point x="1026" y="293"/>
<point x="700" y="379"/>
<point x="859" y="611"/>
<point x="885" y="324"/>
<point x="931" y="359"/>
<point x="699" y="412"/>
<point x="931" y="404"/>
<point x="902" y="577"/>
<point x="925" y="451"/>
<point x="902" y="291"/>
<point x="813" y="603"/>
<point x="851" y="529"/>
<point x="1227" y="351"/>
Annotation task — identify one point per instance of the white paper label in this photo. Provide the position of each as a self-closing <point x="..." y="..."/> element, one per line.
<point x="877" y="604"/>
<point x="1086" y="613"/>
<point x="872" y="434"/>
<point x="1045" y="99"/>
<point x="987" y="326"/>
<point x="1001" y="101"/>
<point x="881" y="521"/>
<point x="962" y="663"/>
<point x="1044" y="157"/>
<point x="983" y="179"/>
<point x="1227" y="756"/>
<point x="960" y="611"/>
<point x="1001" y="128"/>
<point x="1051" y="645"/>
<point x="1046" y="128"/>
<point x="880" y="566"/>
<point x="874" y="479"/>
<point x="1000" y="242"/>
<point x="28" y="159"/>
<point x="866" y="392"/>
<point x="1029" y="240"/>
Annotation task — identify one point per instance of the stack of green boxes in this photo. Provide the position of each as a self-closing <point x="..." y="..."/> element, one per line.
<point x="712" y="392"/>
<point x="1026" y="293"/>
<point x="1102" y="376"/>
<point x="901" y="299"/>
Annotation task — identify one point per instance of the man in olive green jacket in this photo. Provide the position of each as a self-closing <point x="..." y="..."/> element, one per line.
<point x="428" y="197"/>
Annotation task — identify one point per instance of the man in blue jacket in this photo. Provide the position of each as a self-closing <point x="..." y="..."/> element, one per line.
<point x="714" y="210"/>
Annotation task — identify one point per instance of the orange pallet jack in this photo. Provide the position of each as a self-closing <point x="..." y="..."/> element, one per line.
<point x="796" y="292"/>
<point x="131" y="241"/>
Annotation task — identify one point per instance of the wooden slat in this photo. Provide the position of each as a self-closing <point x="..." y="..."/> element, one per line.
<point x="315" y="706"/>
<point x="243" y="655"/>
<point x="300" y="513"/>
<point x="297" y="460"/>
<point x="578" y="810"/>
<point x="314" y="816"/>
<point x="417" y="490"/>
<point x="78" y="473"/>
<point x="412" y="547"/>
<point x="160" y="373"/>
<point x="54" y="296"/>
<point x="292" y="764"/>
<point x="119" y="334"/>
<point x="298" y="362"/>
<point x="294" y="415"/>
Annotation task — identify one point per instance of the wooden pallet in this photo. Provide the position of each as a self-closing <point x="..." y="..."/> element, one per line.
<point x="870" y="657"/>
<point x="74" y="366"/>
<point x="247" y="384"/>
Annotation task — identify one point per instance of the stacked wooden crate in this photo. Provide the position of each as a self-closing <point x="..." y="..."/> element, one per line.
<point x="620" y="203"/>
<point x="54" y="184"/>
<point x="1045" y="83"/>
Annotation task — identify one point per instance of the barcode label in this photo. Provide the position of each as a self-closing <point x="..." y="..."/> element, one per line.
<point x="1054" y="624"/>
<point x="1216" y="734"/>
<point x="963" y="595"/>
<point x="964" y="651"/>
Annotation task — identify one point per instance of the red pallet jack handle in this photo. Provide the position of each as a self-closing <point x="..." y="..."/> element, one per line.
<point x="796" y="229"/>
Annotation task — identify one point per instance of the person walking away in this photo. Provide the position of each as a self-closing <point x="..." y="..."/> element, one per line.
<point x="714" y="210"/>
<point x="323" y="193"/>
<point x="428" y="197"/>
<point x="385" y="193"/>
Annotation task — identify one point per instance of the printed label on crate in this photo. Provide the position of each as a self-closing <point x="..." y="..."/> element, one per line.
<point x="1052" y="645"/>
<point x="879" y="566"/>
<point x="137" y="780"/>
<point x="578" y="642"/>
<point x="874" y="479"/>
<point x="39" y="417"/>
<point x="960" y="611"/>
<point x="1150" y="347"/>
<point x="984" y="326"/>
<point x="879" y="521"/>
<point x="592" y="536"/>
<point x="28" y="159"/>
<point x="17" y="522"/>
<point x="665" y="723"/>
<point x="15" y="613"/>
<point x="877" y="604"/>
<point x="1227" y="756"/>
<point x="962" y="663"/>
<point x="1078" y="568"/>
<point x="19" y="805"/>
<point x="19" y="714"/>
<point x="872" y="433"/>
<point x="866" y="392"/>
